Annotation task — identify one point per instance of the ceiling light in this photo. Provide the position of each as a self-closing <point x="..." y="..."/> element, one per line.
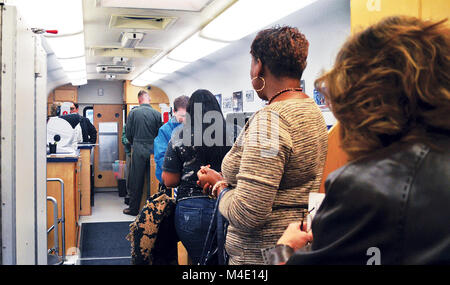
<point x="73" y="64"/>
<point x="166" y="65"/>
<point x="74" y="75"/>
<point x="77" y="82"/>
<point x="146" y="78"/>
<point x="257" y="14"/>
<point x="65" y="16"/>
<point x="185" y="5"/>
<point x="139" y="83"/>
<point x="67" y="46"/>
<point x="195" y="48"/>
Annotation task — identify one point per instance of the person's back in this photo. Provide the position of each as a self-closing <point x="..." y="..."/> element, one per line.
<point x="143" y="124"/>
<point x="141" y="129"/>
<point x="184" y="157"/>
<point x="402" y="209"/>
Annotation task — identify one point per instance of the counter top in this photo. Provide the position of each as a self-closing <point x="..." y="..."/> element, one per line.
<point x="62" y="158"/>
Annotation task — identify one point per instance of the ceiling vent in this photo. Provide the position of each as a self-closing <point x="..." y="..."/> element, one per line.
<point x="130" y="40"/>
<point x="137" y="22"/>
<point x="114" y="69"/>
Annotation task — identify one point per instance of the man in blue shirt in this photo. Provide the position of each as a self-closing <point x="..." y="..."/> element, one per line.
<point x="165" y="133"/>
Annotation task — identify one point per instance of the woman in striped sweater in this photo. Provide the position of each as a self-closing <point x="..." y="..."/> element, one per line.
<point x="278" y="158"/>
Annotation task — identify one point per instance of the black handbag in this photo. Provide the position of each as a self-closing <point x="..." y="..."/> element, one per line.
<point x="213" y="252"/>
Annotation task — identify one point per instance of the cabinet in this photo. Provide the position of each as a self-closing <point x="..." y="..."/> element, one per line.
<point x="67" y="169"/>
<point x="66" y="95"/>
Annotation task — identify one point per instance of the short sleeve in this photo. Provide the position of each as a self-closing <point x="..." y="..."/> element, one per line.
<point x="172" y="162"/>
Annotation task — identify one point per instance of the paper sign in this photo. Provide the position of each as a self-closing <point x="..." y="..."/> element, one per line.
<point x="314" y="202"/>
<point x="65" y="108"/>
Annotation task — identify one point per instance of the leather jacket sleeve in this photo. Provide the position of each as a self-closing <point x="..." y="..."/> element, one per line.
<point x="387" y="209"/>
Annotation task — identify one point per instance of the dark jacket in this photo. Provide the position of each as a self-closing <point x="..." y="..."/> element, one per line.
<point x="88" y="130"/>
<point x="394" y="204"/>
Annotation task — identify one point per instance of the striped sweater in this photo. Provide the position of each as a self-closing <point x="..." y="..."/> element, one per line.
<point x="275" y="163"/>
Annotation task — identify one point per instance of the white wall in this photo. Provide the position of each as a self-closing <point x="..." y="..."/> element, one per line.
<point x="112" y="92"/>
<point x="326" y="25"/>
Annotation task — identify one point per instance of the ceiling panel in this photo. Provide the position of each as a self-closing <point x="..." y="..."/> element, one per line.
<point x="99" y="35"/>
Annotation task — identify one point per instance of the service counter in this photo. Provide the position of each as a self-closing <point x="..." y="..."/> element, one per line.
<point x="85" y="179"/>
<point x="67" y="168"/>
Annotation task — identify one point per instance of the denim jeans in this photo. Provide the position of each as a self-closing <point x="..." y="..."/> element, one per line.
<point x="192" y="219"/>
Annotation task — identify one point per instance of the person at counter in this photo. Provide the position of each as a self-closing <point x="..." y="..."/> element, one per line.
<point x="390" y="90"/>
<point x="87" y="128"/>
<point x="141" y="129"/>
<point x="165" y="133"/>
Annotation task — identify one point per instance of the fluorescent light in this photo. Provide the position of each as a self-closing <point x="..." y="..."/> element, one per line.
<point x="78" y="82"/>
<point x="150" y="76"/>
<point x="195" y="48"/>
<point x="185" y="5"/>
<point x="139" y="83"/>
<point x="166" y="65"/>
<point x="65" y="16"/>
<point x="73" y="64"/>
<point x="146" y="78"/>
<point x="68" y="46"/>
<point x="229" y="26"/>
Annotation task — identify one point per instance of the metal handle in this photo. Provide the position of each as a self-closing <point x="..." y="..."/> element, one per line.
<point x="55" y="223"/>
<point x="63" y="215"/>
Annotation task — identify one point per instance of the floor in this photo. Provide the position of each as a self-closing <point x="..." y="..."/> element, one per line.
<point x="108" y="207"/>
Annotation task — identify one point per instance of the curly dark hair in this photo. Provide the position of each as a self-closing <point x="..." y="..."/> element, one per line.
<point x="391" y="83"/>
<point x="283" y="50"/>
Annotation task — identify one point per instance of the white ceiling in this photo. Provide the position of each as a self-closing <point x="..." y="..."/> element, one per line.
<point x="98" y="34"/>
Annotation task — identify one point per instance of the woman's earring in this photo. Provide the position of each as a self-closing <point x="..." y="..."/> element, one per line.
<point x="263" y="81"/>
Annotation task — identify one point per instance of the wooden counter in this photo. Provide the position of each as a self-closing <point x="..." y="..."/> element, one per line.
<point x="85" y="179"/>
<point x="66" y="168"/>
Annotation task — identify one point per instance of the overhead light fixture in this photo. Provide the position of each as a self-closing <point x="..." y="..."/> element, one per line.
<point x="166" y="65"/>
<point x="195" y="48"/>
<point x="78" y="82"/>
<point x="185" y="5"/>
<point x="130" y="40"/>
<point x="73" y="75"/>
<point x="257" y="14"/>
<point x="65" y="16"/>
<point x="146" y="78"/>
<point x="73" y="64"/>
<point x="67" y="46"/>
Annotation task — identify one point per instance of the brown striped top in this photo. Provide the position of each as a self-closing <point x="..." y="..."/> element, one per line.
<point x="275" y="163"/>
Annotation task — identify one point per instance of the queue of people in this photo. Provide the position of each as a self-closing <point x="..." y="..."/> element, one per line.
<point x="390" y="91"/>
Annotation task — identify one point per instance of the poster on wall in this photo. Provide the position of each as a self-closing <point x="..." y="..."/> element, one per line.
<point x="227" y="105"/>
<point x="219" y="99"/>
<point x="249" y="96"/>
<point x="238" y="104"/>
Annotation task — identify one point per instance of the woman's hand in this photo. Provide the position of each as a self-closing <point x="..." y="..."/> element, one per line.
<point x="207" y="178"/>
<point x="295" y="237"/>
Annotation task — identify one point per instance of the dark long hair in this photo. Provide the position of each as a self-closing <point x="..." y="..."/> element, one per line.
<point x="215" y="153"/>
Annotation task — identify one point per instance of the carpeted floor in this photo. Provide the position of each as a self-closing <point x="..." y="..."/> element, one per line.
<point x="105" y="244"/>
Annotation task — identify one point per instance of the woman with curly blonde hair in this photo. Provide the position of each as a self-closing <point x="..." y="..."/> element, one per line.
<point x="390" y="90"/>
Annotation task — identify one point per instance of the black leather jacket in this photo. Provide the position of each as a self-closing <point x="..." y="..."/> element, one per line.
<point x="394" y="204"/>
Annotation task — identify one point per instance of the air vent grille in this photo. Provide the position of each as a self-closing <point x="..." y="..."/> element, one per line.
<point x="140" y="22"/>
